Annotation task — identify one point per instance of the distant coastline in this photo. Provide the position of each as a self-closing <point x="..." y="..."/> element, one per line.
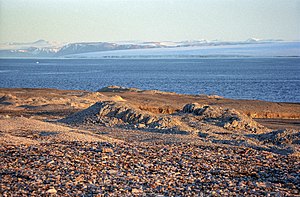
<point x="148" y="50"/>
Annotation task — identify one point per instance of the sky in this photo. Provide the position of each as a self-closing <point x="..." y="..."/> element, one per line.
<point x="148" y="20"/>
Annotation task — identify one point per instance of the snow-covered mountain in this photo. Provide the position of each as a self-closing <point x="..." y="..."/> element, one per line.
<point x="189" y="48"/>
<point x="84" y="47"/>
<point x="270" y="49"/>
<point x="39" y="48"/>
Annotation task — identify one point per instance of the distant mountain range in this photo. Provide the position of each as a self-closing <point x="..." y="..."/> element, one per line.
<point x="132" y="49"/>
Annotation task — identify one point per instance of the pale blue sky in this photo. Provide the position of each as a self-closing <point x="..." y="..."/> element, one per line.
<point x="117" y="20"/>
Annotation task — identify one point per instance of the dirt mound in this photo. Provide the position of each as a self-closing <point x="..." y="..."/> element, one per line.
<point x="108" y="112"/>
<point x="7" y="99"/>
<point x="227" y="118"/>
<point x="281" y="137"/>
<point x="118" y="89"/>
<point x="117" y="98"/>
<point x="190" y="119"/>
<point x="120" y="114"/>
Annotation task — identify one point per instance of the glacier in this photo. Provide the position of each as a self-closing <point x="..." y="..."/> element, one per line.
<point x="273" y="49"/>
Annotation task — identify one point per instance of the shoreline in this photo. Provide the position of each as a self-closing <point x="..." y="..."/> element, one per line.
<point x="6" y="89"/>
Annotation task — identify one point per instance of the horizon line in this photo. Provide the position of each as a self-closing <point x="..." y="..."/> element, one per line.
<point x="183" y="40"/>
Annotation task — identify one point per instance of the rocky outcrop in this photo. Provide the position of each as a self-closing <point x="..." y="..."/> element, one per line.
<point x="109" y="113"/>
<point x="227" y="118"/>
<point x="189" y="119"/>
<point x="7" y="98"/>
<point x="123" y="113"/>
<point x="280" y="137"/>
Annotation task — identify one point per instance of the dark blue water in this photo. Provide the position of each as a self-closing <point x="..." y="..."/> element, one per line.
<point x="271" y="79"/>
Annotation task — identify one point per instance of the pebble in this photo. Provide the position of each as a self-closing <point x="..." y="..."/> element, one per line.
<point x="136" y="191"/>
<point x="107" y="150"/>
<point x="51" y="191"/>
<point x="151" y="169"/>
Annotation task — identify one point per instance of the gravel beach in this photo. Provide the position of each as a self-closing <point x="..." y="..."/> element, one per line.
<point x="156" y="169"/>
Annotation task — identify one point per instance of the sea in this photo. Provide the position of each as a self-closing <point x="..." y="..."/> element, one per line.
<point x="269" y="79"/>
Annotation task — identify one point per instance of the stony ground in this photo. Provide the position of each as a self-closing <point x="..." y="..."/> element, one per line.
<point x="153" y="169"/>
<point x="41" y="157"/>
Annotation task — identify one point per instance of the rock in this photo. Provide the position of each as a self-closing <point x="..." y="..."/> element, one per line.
<point x="190" y="108"/>
<point x="234" y="124"/>
<point x="7" y="116"/>
<point x="112" y="172"/>
<point x="50" y="162"/>
<point x="141" y="125"/>
<point x="7" y="97"/>
<point x="51" y="191"/>
<point x="107" y="150"/>
<point x="136" y="191"/>
<point x="227" y="118"/>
